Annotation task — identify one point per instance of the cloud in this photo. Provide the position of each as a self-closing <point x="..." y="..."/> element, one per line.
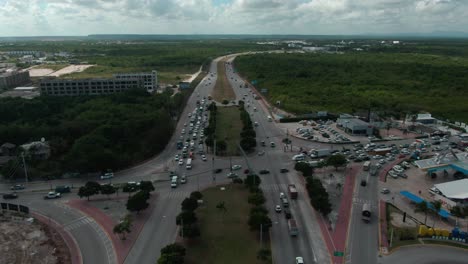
<point x="82" y="17"/>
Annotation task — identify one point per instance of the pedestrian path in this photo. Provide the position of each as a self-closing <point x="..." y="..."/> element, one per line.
<point x="360" y="201"/>
<point x="282" y="187"/>
<point x="175" y="194"/>
<point x="84" y="220"/>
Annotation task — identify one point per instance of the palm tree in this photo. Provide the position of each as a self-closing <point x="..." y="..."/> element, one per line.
<point x="422" y="207"/>
<point x="437" y="206"/>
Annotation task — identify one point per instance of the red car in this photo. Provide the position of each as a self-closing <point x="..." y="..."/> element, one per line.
<point x="246" y="171"/>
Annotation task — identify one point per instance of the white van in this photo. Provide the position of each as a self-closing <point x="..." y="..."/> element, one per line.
<point x="269" y="118"/>
<point x="189" y="164"/>
<point x="298" y="157"/>
<point x="174" y="182"/>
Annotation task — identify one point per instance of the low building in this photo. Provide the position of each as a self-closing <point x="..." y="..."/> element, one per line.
<point x="148" y="79"/>
<point x="425" y="119"/>
<point x="11" y="79"/>
<point x="7" y="149"/>
<point x="37" y="150"/>
<point x="354" y="126"/>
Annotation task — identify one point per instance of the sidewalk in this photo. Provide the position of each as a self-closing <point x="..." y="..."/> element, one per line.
<point x="121" y="247"/>
<point x="75" y="253"/>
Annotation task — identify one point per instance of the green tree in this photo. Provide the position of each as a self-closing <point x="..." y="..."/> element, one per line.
<point x="172" y="254"/>
<point x="256" y="199"/>
<point x="190" y="231"/>
<point x="186" y="217"/>
<point x="437" y="205"/>
<point x="305" y="168"/>
<point x="264" y="255"/>
<point x="336" y="161"/>
<point x="221" y="206"/>
<point x="107" y="189"/>
<point x="146" y="186"/>
<point x="84" y="191"/>
<point x="129" y="188"/>
<point x="422" y="207"/>
<point x="258" y="209"/>
<point x="189" y="204"/>
<point x="252" y="180"/>
<point x="259" y="219"/>
<point x="124" y="227"/>
<point x="138" y="202"/>
<point x="196" y="195"/>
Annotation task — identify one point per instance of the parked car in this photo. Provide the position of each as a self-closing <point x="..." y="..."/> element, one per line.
<point x="299" y="260"/>
<point x="393" y="174"/>
<point x="385" y="191"/>
<point x="236" y="167"/>
<point x="218" y="170"/>
<point x="232" y="175"/>
<point x="203" y="157"/>
<point x="107" y="175"/>
<point x="284" y="170"/>
<point x="8" y="196"/>
<point x="264" y="172"/>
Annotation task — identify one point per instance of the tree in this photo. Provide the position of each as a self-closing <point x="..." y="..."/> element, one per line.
<point x="305" y="168"/>
<point x="124" y="227"/>
<point x="129" y="188"/>
<point x="138" y="202"/>
<point x="91" y="188"/>
<point x="107" y="189"/>
<point x="336" y="161"/>
<point x="221" y="146"/>
<point x="196" y="195"/>
<point x="146" y="186"/>
<point x="252" y="180"/>
<point x="422" y="207"/>
<point x="264" y="255"/>
<point x="437" y="205"/>
<point x="259" y="209"/>
<point x="186" y="217"/>
<point x="189" y="204"/>
<point x="257" y="219"/>
<point x="256" y="199"/>
<point x="190" y="230"/>
<point x="172" y="254"/>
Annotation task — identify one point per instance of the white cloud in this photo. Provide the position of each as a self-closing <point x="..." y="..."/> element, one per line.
<point x="82" y="17"/>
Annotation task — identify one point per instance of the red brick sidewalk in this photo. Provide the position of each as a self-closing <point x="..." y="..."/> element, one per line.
<point x="121" y="247"/>
<point x="72" y="245"/>
<point x="336" y="240"/>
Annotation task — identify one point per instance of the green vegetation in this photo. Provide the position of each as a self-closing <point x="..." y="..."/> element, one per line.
<point x="124" y="227"/>
<point x="89" y="134"/>
<point x="402" y="236"/>
<point x="248" y="141"/>
<point x="223" y="92"/>
<point x="54" y="67"/>
<point x="228" y="128"/>
<point x="318" y="195"/>
<point x="392" y="83"/>
<point x="224" y="232"/>
<point x="172" y="254"/>
<point x="187" y="218"/>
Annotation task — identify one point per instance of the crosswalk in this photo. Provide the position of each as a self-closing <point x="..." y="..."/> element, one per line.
<point x="173" y="194"/>
<point x="360" y="201"/>
<point x="282" y="187"/>
<point x="84" y="220"/>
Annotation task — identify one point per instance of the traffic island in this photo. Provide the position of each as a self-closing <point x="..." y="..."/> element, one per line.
<point x="109" y="218"/>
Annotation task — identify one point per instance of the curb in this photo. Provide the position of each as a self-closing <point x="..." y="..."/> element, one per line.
<point x="75" y="253"/>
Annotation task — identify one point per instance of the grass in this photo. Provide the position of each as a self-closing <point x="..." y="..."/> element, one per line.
<point x="54" y="67"/>
<point x="223" y="90"/>
<point x="228" y="128"/>
<point x="225" y="237"/>
<point x="396" y="242"/>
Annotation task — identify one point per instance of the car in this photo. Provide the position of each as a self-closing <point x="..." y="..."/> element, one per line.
<point x="382" y="161"/>
<point x="287" y="213"/>
<point x="403" y="175"/>
<point x="398" y="169"/>
<point x="236" y="167"/>
<point x="385" y="191"/>
<point x="218" y="170"/>
<point x="261" y="153"/>
<point x="176" y="158"/>
<point x="52" y="195"/>
<point x="181" y="162"/>
<point x="262" y="143"/>
<point x="272" y="144"/>
<point x="282" y="195"/>
<point x="299" y="260"/>
<point x="284" y="170"/>
<point x="203" y="157"/>
<point x="107" y="175"/>
<point x="8" y="196"/>
<point x="278" y="208"/>
<point x="264" y="172"/>
<point x="393" y="174"/>
<point x="232" y="175"/>
<point x="363" y="183"/>
<point x="183" y="179"/>
<point x="17" y="187"/>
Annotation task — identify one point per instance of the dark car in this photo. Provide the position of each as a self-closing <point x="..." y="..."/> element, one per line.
<point x="284" y="170"/>
<point x="17" y="187"/>
<point x="287" y="213"/>
<point x="10" y="196"/>
<point x="363" y="183"/>
<point x="218" y="170"/>
<point x="264" y="172"/>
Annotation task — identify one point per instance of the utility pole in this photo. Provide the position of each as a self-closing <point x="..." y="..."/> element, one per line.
<point x="25" y="169"/>
<point x="212" y="163"/>
<point x="261" y="235"/>
<point x="182" y="227"/>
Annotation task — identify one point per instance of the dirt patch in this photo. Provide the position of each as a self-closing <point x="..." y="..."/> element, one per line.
<point x="27" y="242"/>
<point x="397" y="220"/>
<point x="40" y="72"/>
<point x="71" y="69"/>
<point x="115" y="208"/>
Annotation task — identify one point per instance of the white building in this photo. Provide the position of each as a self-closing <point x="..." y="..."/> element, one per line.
<point x="149" y="79"/>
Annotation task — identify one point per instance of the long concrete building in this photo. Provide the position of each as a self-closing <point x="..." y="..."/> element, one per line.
<point x="119" y="83"/>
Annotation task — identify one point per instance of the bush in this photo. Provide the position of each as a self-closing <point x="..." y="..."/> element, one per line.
<point x="225" y="102"/>
<point x="305" y="168"/>
<point x="256" y="199"/>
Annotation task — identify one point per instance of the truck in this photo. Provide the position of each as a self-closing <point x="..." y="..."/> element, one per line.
<point x="189" y="164"/>
<point x="292" y="191"/>
<point x="380" y="151"/>
<point x="292" y="226"/>
<point x="320" y="153"/>
<point x="366" y="212"/>
<point x="366" y="166"/>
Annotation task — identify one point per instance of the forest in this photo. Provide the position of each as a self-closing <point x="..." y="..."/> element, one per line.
<point x="388" y="82"/>
<point x="90" y="134"/>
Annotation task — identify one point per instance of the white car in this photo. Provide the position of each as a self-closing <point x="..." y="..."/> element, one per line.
<point x="176" y="158"/>
<point x="299" y="260"/>
<point x="398" y="169"/>
<point x="282" y="195"/>
<point x="203" y="157"/>
<point x="181" y="162"/>
<point x="382" y="161"/>
<point x="278" y="209"/>
<point x="393" y="174"/>
<point x="236" y="167"/>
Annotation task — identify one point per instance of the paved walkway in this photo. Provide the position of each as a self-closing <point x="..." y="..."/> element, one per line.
<point x="121" y="247"/>
<point x="75" y="253"/>
<point x="336" y="239"/>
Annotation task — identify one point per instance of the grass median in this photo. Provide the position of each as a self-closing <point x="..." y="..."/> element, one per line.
<point x="223" y="90"/>
<point x="228" y="128"/>
<point x="225" y="235"/>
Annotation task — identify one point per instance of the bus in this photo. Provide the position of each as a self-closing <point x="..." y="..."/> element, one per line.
<point x="189" y="164"/>
<point x="366" y="166"/>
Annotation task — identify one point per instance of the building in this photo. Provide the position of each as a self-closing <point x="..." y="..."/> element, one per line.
<point x="7" y="149"/>
<point x="75" y="87"/>
<point x="425" y="119"/>
<point x="11" y="79"/>
<point x="354" y="126"/>
<point x="148" y="79"/>
<point x="37" y="150"/>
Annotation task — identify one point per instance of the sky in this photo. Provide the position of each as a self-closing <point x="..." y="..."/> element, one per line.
<point x="311" y="17"/>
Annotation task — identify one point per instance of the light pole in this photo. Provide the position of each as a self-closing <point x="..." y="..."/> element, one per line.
<point x="25" y="169"/>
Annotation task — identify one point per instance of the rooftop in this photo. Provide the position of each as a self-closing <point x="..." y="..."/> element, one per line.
<point x="454" y="189"/>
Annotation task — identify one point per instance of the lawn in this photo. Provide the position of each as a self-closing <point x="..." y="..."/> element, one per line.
<point x="228" y="128"/>
<point x="54" y="67"/>
<point x="223" y="90"/>
<point x="225" y="237"/>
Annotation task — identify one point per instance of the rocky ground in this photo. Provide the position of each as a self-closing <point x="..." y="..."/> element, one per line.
<point x="30" y="242"/>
